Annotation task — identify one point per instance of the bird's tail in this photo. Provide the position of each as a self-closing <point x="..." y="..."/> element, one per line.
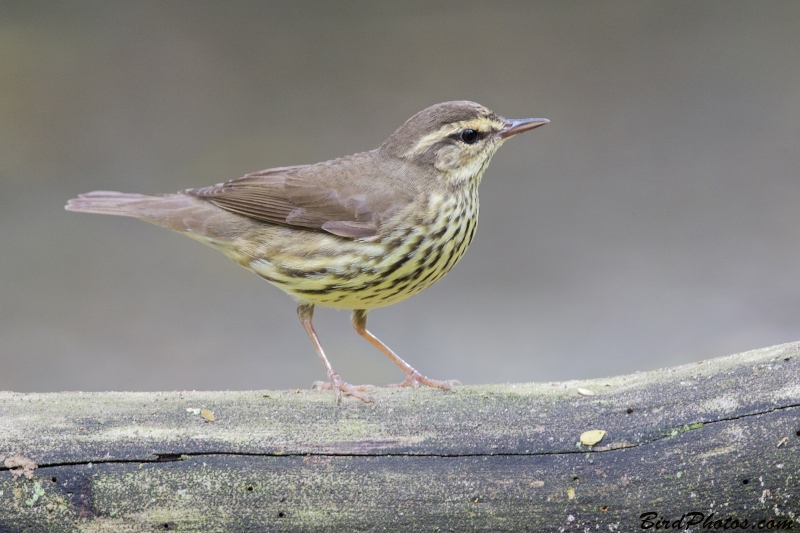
<point x="178" y="212"/>
<point x="113" y="203"/>
<point x="192" y="216"/>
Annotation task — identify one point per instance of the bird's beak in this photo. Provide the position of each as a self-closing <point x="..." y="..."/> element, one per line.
<point x="518" y="125"/>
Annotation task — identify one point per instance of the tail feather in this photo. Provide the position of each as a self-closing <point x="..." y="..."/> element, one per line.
<point x="178" y="212"/>
<point x="111" y="203"/>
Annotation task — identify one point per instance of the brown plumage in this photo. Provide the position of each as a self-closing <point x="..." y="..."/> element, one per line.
<point x="358" y="232"/>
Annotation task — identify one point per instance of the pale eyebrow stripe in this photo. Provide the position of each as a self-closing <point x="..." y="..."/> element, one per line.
<point x="446" y="131"/>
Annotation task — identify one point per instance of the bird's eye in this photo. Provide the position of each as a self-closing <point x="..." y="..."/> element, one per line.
<point x="468" y="136"/>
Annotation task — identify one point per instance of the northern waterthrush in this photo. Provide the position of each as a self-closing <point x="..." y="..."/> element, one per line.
<point x="358" y="232"/>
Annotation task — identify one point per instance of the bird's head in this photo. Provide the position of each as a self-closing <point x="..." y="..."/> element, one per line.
<point x="457" y="138"/>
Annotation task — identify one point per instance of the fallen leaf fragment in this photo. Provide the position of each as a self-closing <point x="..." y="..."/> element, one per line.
<point x="592" y="437"/>
<point x="208" y="415"/>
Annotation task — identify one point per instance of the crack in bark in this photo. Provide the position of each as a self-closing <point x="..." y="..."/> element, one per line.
<point x="172" y="457"/>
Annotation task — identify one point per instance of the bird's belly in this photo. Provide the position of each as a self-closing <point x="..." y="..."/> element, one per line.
<point x="342" y="273"/>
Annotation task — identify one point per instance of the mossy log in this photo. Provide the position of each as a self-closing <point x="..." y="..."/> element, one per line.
<point x="719" y="437"/>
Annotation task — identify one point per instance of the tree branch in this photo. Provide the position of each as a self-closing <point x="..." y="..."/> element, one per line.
<point x="721" y="436"/>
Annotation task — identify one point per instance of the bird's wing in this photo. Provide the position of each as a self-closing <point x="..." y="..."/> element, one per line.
<point x="317" y="197"/>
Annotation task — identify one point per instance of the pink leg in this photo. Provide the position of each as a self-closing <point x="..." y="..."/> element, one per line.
<point x="413" y="378"/>
<point x="306" y="312"/>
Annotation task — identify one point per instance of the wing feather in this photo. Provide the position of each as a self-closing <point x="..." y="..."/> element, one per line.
<point x="320" y="197"/>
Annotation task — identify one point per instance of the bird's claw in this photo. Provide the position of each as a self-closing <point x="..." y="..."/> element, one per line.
<point x="339" y="386"/>
<point x="415" y="379"/>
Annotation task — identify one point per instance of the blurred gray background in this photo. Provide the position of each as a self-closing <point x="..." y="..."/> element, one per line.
<point x="654" y="222"/>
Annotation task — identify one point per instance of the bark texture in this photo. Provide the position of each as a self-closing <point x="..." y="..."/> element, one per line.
<point x="721" y="436"/>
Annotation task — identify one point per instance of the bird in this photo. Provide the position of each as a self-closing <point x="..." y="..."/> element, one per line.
<point x="359" y="232"/>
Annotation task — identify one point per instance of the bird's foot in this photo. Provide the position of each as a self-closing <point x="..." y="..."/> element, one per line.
<point x="339" y="386"/>
<point x="415" y="379"/>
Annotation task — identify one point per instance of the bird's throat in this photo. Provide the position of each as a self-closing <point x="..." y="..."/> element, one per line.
<point x="468" y="174"/>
